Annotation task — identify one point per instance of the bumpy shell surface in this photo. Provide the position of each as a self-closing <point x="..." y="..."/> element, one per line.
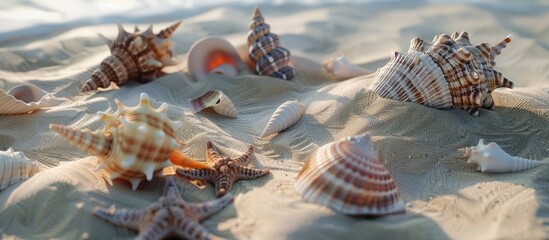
<point x="217" y="100"/>
<point x="138" y="55"/>
<point x="491" y="158"/>
<point x="15" y="167"/>
<point x="447" y="72"/>
<point x="284" y="116"/>
<point x="264" y="50"/>
<point x="135" y="143"/>
<point x="213" y="55"/>
<point x="347" y="176"/>
<point x="22" y="99"/>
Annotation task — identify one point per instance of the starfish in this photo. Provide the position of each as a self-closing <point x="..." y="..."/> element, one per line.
<point x="227" y="170"/>
<point x="170" y="216"/>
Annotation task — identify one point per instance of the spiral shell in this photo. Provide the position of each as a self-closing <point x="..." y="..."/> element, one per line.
<point x="347" y="176"/>
<point x="264" y="50"/>
<point x="138" y="55"/>
<point x="217" y="100"/>
<point x="448" y="72"/>
<point x="491" y="158"/>
<point x="22" y="99"/>
<point x="284" y="116"/>
<point x="15" y="167"/>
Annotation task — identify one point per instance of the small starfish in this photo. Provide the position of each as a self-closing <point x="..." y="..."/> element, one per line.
<point x="227" y="170"/>
<point x="170" y="216"/>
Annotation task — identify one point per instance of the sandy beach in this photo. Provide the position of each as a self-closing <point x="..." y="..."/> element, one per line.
<point x="445" y="197"/>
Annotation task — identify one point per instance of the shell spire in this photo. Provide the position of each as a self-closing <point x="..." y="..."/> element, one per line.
<point x="93" y="143"/>
<point x="264" y="49"/>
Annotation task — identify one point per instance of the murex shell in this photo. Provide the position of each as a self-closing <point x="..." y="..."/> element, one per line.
<point x="15" y="167"/>
<point x="264" y="50"/>
<point x="283" y="117"/>
<point x="136" y="143"/>
<point x="21" y="99"/>
<point x="138" y="55"/>
<point x="217" y="100"/>
<point x="448" y="72"/>
<point x="491" y="158"/>
<point x="347" y="176"/>
<point x="213" y="55"/>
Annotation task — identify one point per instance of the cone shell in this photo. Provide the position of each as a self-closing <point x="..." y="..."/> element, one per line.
<point x="491" y="158"/>
<point x="213" y="55"/>
<point x="347" y="176"/>
<point x="264" y="50"/>
<point x="217" y="100"/>
<point x="284" y="116"/>
<point x="22" y="99"/>
<point x="447" y="72"/>
<point x="136" y="142"/>
<point x="15" y="167"/>
<point x="138" y="55"/>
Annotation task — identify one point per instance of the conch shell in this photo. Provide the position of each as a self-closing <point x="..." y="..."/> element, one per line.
<point x="15" y="167"/>
<point x="347" y="176"/>
<point x="448" y="72"/>
<point x="284" y="116"/>
<point x="217" y="100"/>
<point x="136" y="143"/>
<point x="213" y="55"/>
<point x="491" y="158"/>
<point x="264" y="50"/>
<point x="138" y="55"/>
<point x="21" y="99"/>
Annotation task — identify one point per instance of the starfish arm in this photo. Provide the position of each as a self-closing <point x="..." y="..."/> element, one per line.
<point x="212" y="154"/>
<point x="200" y="174"/>
<point x="207" y="209"/>
<point x="158" y="228"/>
<point x="124" y="217"/>
<point x="245" y="158"/>
<point x="250" y="173"/>
<point x="170" y="188"/>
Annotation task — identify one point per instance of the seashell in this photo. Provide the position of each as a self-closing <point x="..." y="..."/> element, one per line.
<point x="138" y="55"/>
<point x="213" y="55"/>
<point x="217" y="100"/>
<point x="21" y="99"/>
<point x="347" y="176"/>
<point x="284" y="116"/>
<point x="448" y="72"/>
<point x="15" y="167"/>
<point x="264" y="50"/>
<point x="136" y="143"/>
<point x="340" y="69"/>
<point x="491" y="158"/>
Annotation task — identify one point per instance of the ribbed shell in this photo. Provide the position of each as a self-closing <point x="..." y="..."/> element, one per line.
<point x="15" y="167"/>
<point x="135" y="143"/>
<point x="284" y="116"/>
<point x="491" y="158"/>
<point x="138" y="55"/>
<point x="347" y="176"/>
<point x="264" y="50"/>
<point x="217" y="100"/>
<point x="22" y="99"/>
<point x="464" y="79"/>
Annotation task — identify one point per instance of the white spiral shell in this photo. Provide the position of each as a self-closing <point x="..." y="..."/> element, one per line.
<point x="217" y="100"/>
<point x="284" y="116"/>
<point x="15" y="167"/>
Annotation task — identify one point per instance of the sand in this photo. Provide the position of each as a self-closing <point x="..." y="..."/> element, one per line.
<point x="445" y="197"/>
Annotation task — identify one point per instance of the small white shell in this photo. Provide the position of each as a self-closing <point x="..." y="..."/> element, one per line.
<point x="491" y="158"/>
<point x="15" y="167"/>
<point x="340" y="69"/>
<point x="217" y="100"/>
<point x="284" y="116"/>
<point x="213" y="55"/>
<point x="21" y="99"/>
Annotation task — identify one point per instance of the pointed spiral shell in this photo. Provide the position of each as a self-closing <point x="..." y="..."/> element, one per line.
<point x="15" y="167"/>
<point x="283" y="117"/>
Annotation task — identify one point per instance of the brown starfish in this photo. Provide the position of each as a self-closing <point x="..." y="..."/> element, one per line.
<point x="227" y="170"/>
<point x="170" y="216"/>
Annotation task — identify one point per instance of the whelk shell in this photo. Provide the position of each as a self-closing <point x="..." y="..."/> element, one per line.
<point x="22" y="99"/>
<point x="15" y="167"/>
<point x="284" y="116"/>
<point x="217" y="100"/>
<point x="213" y="55"/>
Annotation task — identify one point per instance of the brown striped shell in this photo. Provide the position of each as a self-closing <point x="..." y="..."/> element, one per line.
<point x="265" y="51"/>
<point x="138" y="55"/>
<point x="347" y="176"/>
<point x="447" y="72"/>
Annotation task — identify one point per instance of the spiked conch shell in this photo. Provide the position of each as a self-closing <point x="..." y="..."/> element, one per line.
<point x="491" y="158"/>
<point x="217" y="100"/>
<point x="347" y="176"/>
<point x="136" y="143"/>
<point x="15" y="167"/>
<point x="138" y="55"/>
<point x="448" y="72"/>
<point x="284" y="116"/>
<point x="264" y="50"/>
